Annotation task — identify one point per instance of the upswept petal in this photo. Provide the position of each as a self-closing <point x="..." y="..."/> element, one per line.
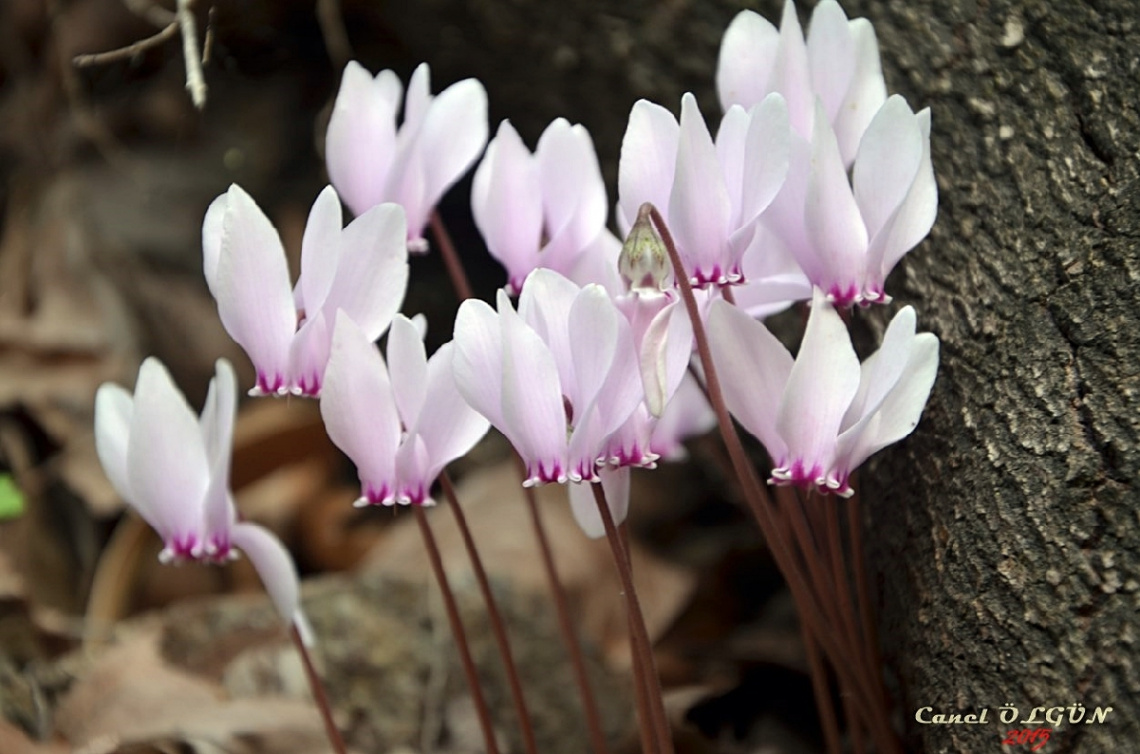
<point x="373" y="272"/>
<point x="506" y="202"/>
<point x="418" y="98"/>
<point x="648" y="161"/>
<point x="899" y="412"/>
<point x="666" y="348"/>
<point x="448" y="426"/>
<point x="821" y="385"/>
<point x="914" y="217"/>
<point x="213" y="226"/>
<point x="166" y="460"/>
<point x="573" y="192"/>
<point x="114" y="408"/>
<point x="308" y="356"/>
<point x="790" y="76"/>
<point x="320" y="250"/>
<point x="831" y="54"/>
<point x="533" y="415"/>
<point x="699" y="207"/>
<point x="866" y="93"/>
<point x="687" y="414"/>
<point x="359" y="146"/>
<point x="785" y="216"/>
<point x="730" y="145"/>
<point x="767" y="153"/>
<point x="615" y="482"/>
<point x="275" y="567"/>
<point x="747" y="58"/>
<point x="834" y="225"/>
<point x="545" y="304"/>
<point x="887" y="163"/>
<point x="478" y="359"/>
<point x="451" y="139"/>
<point x="359" y="411"/>
<point x="881" y="370"/>
<point x="592" y="328"/>
<point x="408" y="370"/>
<point x="255" y="298"/>
<point x="598" y="263"/>
<point x="753" y="367"/>
<point x="217" y="426"/>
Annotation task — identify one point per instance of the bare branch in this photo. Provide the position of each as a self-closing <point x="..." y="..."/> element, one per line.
<point x="195" y="83"/>
<point x="131" y="50"/>
<point x="147" y="10"/>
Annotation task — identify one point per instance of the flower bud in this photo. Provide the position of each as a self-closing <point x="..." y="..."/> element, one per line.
<point x="644" y="261"/>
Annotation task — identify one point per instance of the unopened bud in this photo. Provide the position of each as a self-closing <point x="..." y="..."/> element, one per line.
<point x="644" y="261"/>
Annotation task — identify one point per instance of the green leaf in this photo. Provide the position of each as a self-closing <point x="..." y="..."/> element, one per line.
<point x="11" y="499"/>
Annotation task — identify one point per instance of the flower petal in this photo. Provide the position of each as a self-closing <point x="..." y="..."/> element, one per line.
<point x="360" y="144"/>
<point x="790" y="76"/>
<point x="408" y="370"/>
<point x="573" y="193"/>
<point x="834" y="225"/>
<point x="275" y="567"/>
<point x="114" y="408"/>
<point x="887" y="163"/>
<point x="166" y="458"/>
<point x="665" y="352"/>
<point x="699" y="208"/>
<point x="881" y="370"/>
<point x="747" y="57"/>
<point x="359" y="411"/>
<point x="545" y="304"/>
<point x="506" y="202"/>
<point x="372" y="276"/>
<point x="753" y="368"/>
<point x="217" y="426"/>
<point x="213" y="226"/>
<point x="867" y="91"/>
<point x="615" y="482"/>
<point x="831" y="55"/>
<point x="478" y="359"/>
<point x="766" y="156"/>
<point x="320" y="250"/>
<point x="255" y="299"/>
<point x="648" y="160"/>
<point x="821" y="385"/>
<point x="448" y="426"/>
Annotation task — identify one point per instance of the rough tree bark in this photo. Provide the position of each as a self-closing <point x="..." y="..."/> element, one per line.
<point x="1004" y="533"/>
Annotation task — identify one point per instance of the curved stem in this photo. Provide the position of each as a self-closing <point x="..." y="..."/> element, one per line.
<point x="641" y="643"/>
<point x="320" y="697"/>
<point x="457" y="631"/>
<point x="451" y="259"/>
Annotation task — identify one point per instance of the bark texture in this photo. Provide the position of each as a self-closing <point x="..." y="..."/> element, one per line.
<point x="1005" y="532"/>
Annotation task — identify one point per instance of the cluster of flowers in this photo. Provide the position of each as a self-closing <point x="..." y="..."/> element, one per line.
<point x="815" y="186"/>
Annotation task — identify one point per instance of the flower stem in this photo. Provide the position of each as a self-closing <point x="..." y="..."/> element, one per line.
<point x="641" y="643"/>
<point x="565" y="624"/>
<point x="451" y="259"/>
<point x="320" y="697"/>
<point x="498" y="627"/>
<point x="758" y="502"/>
<point x="457" y="631"/>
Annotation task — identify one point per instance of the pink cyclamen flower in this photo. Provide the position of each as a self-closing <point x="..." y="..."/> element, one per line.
<point x="401" y="424"/>
<point x="848" y="234"/>
<point x="822" y="414"/>
<point x="361" y="269"/>
<point x="557" y="377"/>
<point x="710" y="194"/>
<point x="839" y="64"/>
<point x="371" y="161"/>
<point x="173" y="468"/>
<point x="543" y="210"/>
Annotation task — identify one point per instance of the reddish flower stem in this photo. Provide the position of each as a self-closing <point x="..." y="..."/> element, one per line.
<point x="320" y="696"/>
<point x="565" y="623"/>
<point x="451" y="259"/>
<point x="641" y="642"/>
<point x="457" y="631"/>
<point x="758" y="501"/>
<point x="498" y="626"/>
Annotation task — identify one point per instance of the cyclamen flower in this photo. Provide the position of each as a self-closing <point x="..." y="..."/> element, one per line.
<point x="371" y="162"/>
<point x="361" y="269"/>
<point x="544" y="210"/>
<point x="557" y="377"/>
<point x="847" y="235"/>
<point x="400" y="427"/>
<point x="710" y="194"/>
<point x="173" y="469"/>
<point x="822" y="414"/>
<point x="839" y="64"/>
